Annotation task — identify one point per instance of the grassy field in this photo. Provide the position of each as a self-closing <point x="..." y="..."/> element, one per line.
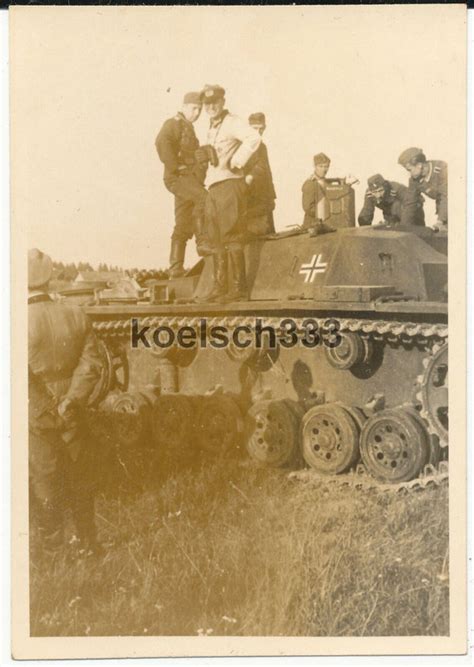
<point x="226" y="548"/>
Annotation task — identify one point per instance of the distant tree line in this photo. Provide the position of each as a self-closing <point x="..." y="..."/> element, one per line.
<point x="70" y="271"/>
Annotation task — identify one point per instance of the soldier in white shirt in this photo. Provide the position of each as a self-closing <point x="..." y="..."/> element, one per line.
<point x="234" y="142"/>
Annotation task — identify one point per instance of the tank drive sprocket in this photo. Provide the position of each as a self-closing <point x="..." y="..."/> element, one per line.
<point x="432" y="392"/>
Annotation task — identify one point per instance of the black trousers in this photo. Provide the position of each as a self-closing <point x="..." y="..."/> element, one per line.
<point x="225" y="213"/>
<point x="60" y="482"/>
<point x="189" y="200"/>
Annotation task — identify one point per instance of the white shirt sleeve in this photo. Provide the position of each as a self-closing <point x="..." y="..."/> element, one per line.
<point x="250" y="140"/>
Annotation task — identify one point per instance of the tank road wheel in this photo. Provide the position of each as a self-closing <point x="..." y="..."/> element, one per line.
<point x="351" y="351"/>
<point x="272" y="433"/>
<point x="394" y="445"/>
<point x="114" y="373"/>
<point x="173" y="422"/>
<point x="219" y="424"/>
<point x="433" y="393"/>
<point x="133" y="418"/>
<point x="330" y="439"/>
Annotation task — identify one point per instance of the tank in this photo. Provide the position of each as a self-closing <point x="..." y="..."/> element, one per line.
<point x="350" y="382"/>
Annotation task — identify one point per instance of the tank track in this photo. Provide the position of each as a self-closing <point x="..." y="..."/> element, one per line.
<point x="360" y="479"/>
<point x="395" y="332"/>
<point x="428" y="336"/>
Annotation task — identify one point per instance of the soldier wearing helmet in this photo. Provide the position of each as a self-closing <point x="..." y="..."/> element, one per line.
<point x="64" y="366"/>
<point x="184" y="174"/>
<point x="429" y="177"/>
<point x="398" y="204"/>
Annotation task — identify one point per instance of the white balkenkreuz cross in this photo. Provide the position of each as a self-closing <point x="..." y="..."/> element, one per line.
<point x="316" y="265"/>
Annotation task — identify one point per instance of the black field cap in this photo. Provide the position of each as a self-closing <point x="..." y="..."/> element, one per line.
<point x="212" y="93"/>
<point x="321" y="158"/>
<point x="257" y="118"/>
<point x="411" y="156"/>
<point x="376" y="182"/>
<point x="192" y="98"/>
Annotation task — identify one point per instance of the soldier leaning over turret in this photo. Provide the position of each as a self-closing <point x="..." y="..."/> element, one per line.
<point x="429" y="177"/>
<point x="399" y="204"/>
<point x="184" y="174"/>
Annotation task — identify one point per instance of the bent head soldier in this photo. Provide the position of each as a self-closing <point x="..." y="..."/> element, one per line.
<point x="261" y="193"/>
<point x="184" y="174"/>
<point x="233" y="142"/>
<point x="429" y="177"/>
<point x="398" y="204"/>
<point x="64" y="366"/>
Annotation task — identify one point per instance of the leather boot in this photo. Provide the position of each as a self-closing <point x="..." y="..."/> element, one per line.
<point x="220" y="278"/>
<point x="203" y="247"/>
<point x="178" y="249"/>
<point x="238" y="285"/>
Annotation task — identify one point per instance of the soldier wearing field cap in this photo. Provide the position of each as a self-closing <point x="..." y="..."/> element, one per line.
<point x="261" y="193"/>
<point x="184" y="173"/>
<point x="64" y="366"/>
<point x="428" y="177"/>
<point x="398" y="204"/>
<point x="233" y="142"/>
<point x="315" y="204"/>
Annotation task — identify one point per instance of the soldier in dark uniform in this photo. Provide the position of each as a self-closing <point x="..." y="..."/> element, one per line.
<point x="398" y="204"/>
<point x="184" y="174"/>
<point x="64" y="366"/>
<point x="429" y="177"/>
<point x="261" y="193"/>
<point x="315" y="205"/>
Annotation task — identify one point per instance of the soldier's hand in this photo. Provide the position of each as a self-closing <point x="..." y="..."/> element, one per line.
<point x="249" y="179"/>
<point x="201" y="156"/>
<point x="67" y="410"/>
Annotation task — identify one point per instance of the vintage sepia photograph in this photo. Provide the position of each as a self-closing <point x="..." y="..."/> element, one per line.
<point x="233" y="261"/>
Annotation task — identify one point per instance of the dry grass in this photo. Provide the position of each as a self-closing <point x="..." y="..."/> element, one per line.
<point x="230" y="549"/>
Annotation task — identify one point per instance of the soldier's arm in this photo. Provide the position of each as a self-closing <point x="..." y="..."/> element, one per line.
<point x="410" y="202"/>
<point x="366" y="214"/>
<point x="249" y="139"/>
<point x="308" y="200"/>
<point x="88" y="369"/>
<point x="167" y="145"/>
<point x="442" y="198"/>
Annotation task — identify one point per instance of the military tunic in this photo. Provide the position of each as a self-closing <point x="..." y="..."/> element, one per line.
<point x="434" y="185"/>
<point x="176" y="144"/>
<point x="261" y="193"/>
<point x="63" y="363"/>
<point x="400" y="205"/>
<point x="315" y="204"/>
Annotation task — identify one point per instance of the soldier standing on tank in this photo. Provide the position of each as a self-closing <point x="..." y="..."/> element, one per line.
<point x="234" y="142"/>
<point x="428" y="177"/>
<point x="64" y="366"/>
<point x="315" y="204"/>
<point x="399" y="204"/>
<point x="261" y="193"/>
<point x="184" y="174"/>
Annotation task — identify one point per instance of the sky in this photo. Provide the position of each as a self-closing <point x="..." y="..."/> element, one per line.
<point x="91" y="87"/>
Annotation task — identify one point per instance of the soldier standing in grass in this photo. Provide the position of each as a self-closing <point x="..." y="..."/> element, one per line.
<point x="184" y="174"/>
<point x="261" y="193"/>
<point x="64" y="366"/>
<point x="399" y="204"/>
<point x="428" y="177"/>
<point x="234" y="142"/>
